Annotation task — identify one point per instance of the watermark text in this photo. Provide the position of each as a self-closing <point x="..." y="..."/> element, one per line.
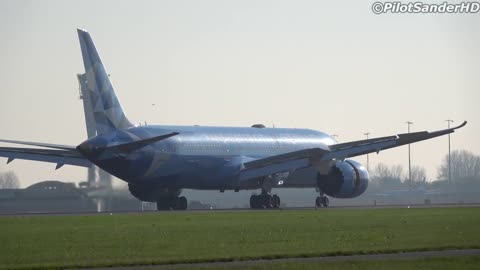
<point x="420" y="7"/>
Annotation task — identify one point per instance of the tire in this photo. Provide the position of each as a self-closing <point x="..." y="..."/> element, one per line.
<point x="182" y="203"/>
<point x="163" y="204"/>
<point x="268" y="201"/>
<point x="325" y="201"/>
<point x="276" y="201"/>
<point x="318" y="202"/>
<point x="255" y="202"/>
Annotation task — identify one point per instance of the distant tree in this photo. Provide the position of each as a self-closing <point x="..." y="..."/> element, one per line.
<point x="381" y="171"/>
<point x="389" y="177"/>
<point x="9" y="180"/>
<point x="419" y="174"/>
<point x="464" y="165"/>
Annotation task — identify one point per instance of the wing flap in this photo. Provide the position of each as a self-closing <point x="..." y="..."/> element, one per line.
<point x="280" y="163"/>
<point x="306" y="153"/>
<point x="273" y="168"/>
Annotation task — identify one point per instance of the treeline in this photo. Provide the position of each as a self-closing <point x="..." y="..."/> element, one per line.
<point x="465" y="171"/>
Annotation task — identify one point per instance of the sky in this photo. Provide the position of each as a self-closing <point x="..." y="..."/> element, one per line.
<point x="330" y="66"/>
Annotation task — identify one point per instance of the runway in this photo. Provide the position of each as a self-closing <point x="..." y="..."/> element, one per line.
<point x="191" y="211"/>
<point x="386" y="256"/>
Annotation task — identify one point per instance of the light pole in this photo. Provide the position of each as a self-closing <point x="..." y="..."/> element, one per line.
<point x="409" y="159"/>
<point x="368" y="161"/>
<point x="449" y="161"/>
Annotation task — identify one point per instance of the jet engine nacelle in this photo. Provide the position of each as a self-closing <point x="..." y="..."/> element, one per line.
<point x="345" y="179"/>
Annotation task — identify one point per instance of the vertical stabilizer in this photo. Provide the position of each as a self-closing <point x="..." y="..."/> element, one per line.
<point x="107" y="111"/>
<point x="104" y="178"/>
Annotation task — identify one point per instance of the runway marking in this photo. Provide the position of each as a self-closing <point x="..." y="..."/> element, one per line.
<point x="369" y="257"/>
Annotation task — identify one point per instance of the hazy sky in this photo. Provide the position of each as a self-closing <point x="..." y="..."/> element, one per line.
<point x="335" y="67"/>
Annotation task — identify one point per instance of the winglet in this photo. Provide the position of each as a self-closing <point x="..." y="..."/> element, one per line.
<point x="460" y="126"/>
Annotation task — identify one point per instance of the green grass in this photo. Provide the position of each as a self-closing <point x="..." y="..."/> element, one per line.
<point x="103" y="240"/>
<point x="457" y="263"/>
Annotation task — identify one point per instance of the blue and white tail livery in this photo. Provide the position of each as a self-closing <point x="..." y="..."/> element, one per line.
<point x="107" y="110"/>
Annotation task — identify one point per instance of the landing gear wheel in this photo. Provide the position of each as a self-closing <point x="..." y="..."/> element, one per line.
<point x="322" y="201"/>
<point x="172" y="203"/>
<point x="268" y="201"/>
<point x="264" y="201"/>
<point x="163" y="204"/>
<point x="276" y="201"/>
<point x="318" y="202"/>
<point x="325" y="201"/>
<point x="255" y="201"/>
<point x="182" y="203"/>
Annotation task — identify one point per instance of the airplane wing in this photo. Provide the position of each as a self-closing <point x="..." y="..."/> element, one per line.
<point x="60" y="157"/>
<point x="304" y="158"/>
<point x="357" y="148"/>
<point x="48" y="145"/>
<point x="61" y="154"/>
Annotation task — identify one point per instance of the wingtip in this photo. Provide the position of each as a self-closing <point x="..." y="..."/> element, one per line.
<point x="462" y="125"/>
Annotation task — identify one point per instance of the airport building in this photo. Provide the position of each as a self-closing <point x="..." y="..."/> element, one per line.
<point x="47" y="196"/>
<point x="61" y="197"/>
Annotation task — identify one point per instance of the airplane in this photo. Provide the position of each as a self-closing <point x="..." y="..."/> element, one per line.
<point x="158" y="161"/>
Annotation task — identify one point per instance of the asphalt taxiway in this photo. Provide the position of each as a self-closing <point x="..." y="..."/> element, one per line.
<point x="386" y="256"/>
<point x="190" y="211"/>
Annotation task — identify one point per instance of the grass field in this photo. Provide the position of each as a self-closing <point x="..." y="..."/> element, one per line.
<point x="103" y="240"/>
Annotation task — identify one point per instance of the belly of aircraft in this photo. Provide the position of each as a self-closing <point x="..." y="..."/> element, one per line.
<point x="196" y="172"/>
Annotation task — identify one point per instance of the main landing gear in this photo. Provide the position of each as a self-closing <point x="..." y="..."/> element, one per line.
<point x="321" y="201"/>
<point x="172" y="203"/>
<point x="264" y="200"/>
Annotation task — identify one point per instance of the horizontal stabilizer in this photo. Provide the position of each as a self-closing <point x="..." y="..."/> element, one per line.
<point x="132" y="146"/>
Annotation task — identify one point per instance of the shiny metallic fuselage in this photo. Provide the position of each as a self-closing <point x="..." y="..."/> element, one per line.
<point x="205" y="157"/>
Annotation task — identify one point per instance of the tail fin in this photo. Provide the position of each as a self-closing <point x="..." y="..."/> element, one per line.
<point x="107" y="111"/>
